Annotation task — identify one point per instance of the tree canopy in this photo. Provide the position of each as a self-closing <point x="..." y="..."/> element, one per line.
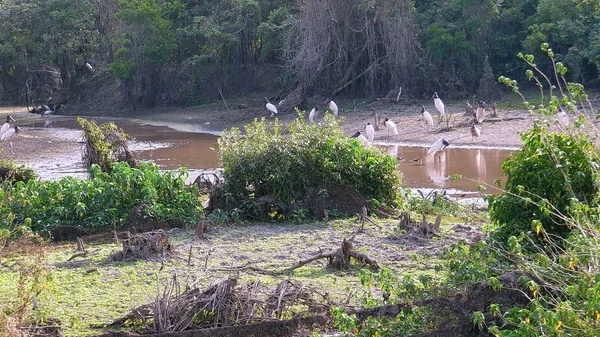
<point x="176" y="52"/>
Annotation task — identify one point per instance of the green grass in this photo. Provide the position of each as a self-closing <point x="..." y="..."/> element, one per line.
<point x="84" y="300"/>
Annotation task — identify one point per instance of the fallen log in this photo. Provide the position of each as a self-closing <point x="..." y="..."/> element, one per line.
<point x="339" y="258"/>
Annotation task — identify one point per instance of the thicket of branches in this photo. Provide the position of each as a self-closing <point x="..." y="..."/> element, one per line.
<point x="178" y="52"/>
<point x="355" y="45"/>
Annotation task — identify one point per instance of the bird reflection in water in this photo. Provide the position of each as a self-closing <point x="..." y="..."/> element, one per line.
<point x="436" y="167"/>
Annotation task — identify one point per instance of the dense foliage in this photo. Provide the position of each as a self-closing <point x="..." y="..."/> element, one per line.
<point x="185" y="52"/>
<point x="290" y="163"/>
<point x="542" y="248"/>
<point x="104" y="201"/>
<point x="105" y="145"/>
<point x="546" y="178"/>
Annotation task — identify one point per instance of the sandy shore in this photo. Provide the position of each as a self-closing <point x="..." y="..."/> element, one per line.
<point x="47" y="147"/>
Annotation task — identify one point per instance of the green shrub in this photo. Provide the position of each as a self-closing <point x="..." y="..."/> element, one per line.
<point x="552" y="171"/>
<point x="103" y="201"/>
<point x="289" y="163"/>
<point x="10" y="171"/>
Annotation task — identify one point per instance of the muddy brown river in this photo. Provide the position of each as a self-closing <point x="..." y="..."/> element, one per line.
<point x="185" y="145"/>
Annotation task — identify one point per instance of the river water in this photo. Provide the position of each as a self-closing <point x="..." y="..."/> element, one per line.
<point x="172" y="149"/>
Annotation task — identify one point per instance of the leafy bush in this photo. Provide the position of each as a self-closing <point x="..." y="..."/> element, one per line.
<point x="551" y="172"/>
<point x="9" y="171"/>
<point x="100" y="202"/>
<point x="289" y="163"/>
<point x="105" y="145"/>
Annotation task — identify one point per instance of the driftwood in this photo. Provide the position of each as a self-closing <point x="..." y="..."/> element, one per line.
<point x="144" y="245"/>
<point x="339" y="258"/>
<point x="225" y="304"/>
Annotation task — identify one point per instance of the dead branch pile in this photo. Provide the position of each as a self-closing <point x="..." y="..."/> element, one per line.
<point x="145" y="245"/>
<point x="225" y="304"/>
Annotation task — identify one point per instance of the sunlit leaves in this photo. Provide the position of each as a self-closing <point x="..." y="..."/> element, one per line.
<point x="289" y="162"/>
<point x="104" y="201"/>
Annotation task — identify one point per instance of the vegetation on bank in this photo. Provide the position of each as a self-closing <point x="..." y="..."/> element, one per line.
<point x="297" y="165"/>
<point x="103" y="201"/>
<point x="173" y="52"/>
<point x="543" y="241"/>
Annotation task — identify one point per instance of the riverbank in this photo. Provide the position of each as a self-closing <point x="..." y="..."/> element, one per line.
<point x="47" y="147"/>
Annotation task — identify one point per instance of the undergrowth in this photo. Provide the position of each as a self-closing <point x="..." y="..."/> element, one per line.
<point x="543" y="242"/>
<point x="104" y="201"/>
<point x="301" y="161"/>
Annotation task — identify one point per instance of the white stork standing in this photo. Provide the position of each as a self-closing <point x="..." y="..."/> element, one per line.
<point x="6" y="125"/>
<point x="391" y="127"/>
<point x="439" y="105"/>
<point x="480" y="112"/>
<point x="332" y="106"/>
<point x="370" y="130"/>
<point x="271" y="107"/>
<point x="439" y="145"/>
<point x="313" y="114"/>
<point x="427" y="117"/>
<point x="563" y="118"/>
<point x="475" y="132"/>
<point x="362" y="139"/>
<point x="10" y="133"/>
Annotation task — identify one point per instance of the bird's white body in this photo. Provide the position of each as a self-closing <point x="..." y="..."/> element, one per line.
<point x="370" y="130"/>
<point x="391" y="126"/>
<point x="475" y="132"/>
<point x="4" y="128"/>
<point x="479" y="114"/>
<point x="439" y="145"/>
<point x="48" y="112"/>
<point x="271" y="107"/>
<point x="6" y="125"/>
<point x="313" y="114"/>
<point x="563" y="118"/>
<point x="8" y="134"/>
<point x="439" y="105"/>
<point x="362" y="139"/>
<point x="333" y="107"/>
<point x="427" y="117"/>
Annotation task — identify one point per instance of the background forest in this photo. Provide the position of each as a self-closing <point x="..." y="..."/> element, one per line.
<point x="179" y="53"/>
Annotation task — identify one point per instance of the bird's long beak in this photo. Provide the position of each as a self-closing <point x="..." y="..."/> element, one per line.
<point x="17" y="129"/>
<point x="12" y="119"/>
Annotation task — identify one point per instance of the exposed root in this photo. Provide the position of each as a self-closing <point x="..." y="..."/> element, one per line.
<point x="339" y="259"/>
<point x="145" y="245"/>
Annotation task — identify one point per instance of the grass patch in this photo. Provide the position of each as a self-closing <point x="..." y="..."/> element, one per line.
<point x="83" y="301"/>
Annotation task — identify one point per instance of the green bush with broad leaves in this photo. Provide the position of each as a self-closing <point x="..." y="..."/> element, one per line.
<point x="545" y="178"/>
<point x="289" y="162"/>
<point x="103" y="201"/>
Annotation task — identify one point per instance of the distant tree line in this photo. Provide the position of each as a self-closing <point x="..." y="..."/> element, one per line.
<point x="176" y="52"/>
